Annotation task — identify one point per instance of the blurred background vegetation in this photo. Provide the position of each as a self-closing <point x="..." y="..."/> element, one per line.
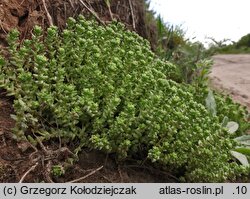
<point x="170" y="43"/>
<point x="222" y="47"/>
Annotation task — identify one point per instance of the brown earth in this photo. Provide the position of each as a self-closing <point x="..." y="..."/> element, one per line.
<point x="231" y="74"/>
<point x="24" y="14"/>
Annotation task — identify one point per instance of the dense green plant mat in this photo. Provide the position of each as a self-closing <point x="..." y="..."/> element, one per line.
<point x="226" y="108"/>
<point x="104" y="87"/>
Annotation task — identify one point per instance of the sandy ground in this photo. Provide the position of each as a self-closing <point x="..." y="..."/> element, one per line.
<point x="231" y="73"/>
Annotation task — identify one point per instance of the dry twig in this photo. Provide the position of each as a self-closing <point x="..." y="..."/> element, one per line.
<point x="27" y="172"/>
<point x="22" y="3"/>
<point x="92" y="12"/>
<point x="1" y="25"/>
<point x="110" y="181"/>
<point x="120" y="173"/>
<point x="47" y="12"/>
<point x="110" y="12"/>
<point x="47" y="172"/>
<point x="86" y="176"/>
<point x="132" y="14"/>
<point x="71" y="3"/>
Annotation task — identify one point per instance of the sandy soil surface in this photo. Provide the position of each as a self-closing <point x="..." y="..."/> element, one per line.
<point x="231" y="73"/>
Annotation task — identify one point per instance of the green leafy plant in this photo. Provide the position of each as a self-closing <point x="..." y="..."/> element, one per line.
<point x="57" y="170"/>
<point x="104" y="87"/>
<point x="234" y="111"/>
<point x="232" y="127"/>
<point x="244" y="140"/>
<point x="169" y="39"/>
<point x="210" y="103"/>
<point x="242" y="158"/>
<point x="243" y="151"/>
<point x="226" y="109"/>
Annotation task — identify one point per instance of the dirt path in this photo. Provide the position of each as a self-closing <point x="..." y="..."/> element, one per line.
<point x="232" y="74"/>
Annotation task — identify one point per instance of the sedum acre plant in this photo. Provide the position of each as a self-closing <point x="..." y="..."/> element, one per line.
<point x="104" y="87"/>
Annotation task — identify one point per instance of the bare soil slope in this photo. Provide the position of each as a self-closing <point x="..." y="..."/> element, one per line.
<point x="231" y="73"/>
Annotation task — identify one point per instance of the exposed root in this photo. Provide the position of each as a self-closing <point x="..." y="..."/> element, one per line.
<point x="44" y="157"/>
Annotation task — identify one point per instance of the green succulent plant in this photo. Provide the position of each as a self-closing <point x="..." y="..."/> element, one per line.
<point x="104" y="87"/>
